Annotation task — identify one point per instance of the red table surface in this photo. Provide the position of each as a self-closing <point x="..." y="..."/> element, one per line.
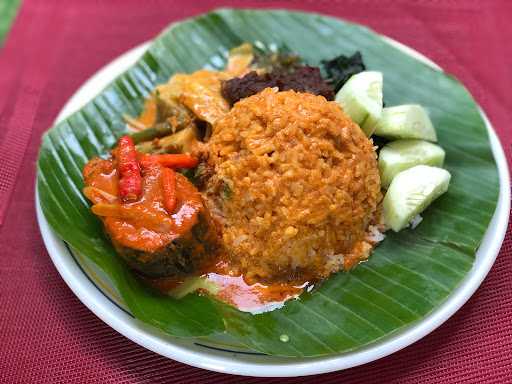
<point x="47" y="335"/>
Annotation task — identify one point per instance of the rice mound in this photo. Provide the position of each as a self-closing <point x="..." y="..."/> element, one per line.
<point x="295" y="187"/>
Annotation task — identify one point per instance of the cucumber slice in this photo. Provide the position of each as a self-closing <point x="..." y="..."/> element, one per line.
<point x="361" y="99"/>
<point x="411" y="191"/>
<point x="409" y="121"/>
<point x="400" y="155"/>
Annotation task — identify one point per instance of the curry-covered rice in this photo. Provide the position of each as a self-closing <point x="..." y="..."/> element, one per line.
<point x="295" y="186"/>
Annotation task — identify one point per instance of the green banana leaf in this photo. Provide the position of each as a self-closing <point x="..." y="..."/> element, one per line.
<point x="410" y="273"/>
<point x="8" y="10"/>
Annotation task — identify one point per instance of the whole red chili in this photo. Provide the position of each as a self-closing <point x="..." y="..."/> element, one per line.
<point x="130" y="179"/>
<point x="169" y="187"/>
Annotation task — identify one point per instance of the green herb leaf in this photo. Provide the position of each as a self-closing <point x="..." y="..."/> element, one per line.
<point x="341" y="68"/>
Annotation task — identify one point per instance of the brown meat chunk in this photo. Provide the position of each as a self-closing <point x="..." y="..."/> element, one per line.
<point x="302" y="79"/>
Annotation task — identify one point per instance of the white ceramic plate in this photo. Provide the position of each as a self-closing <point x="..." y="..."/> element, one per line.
<point x="221" y="354"/>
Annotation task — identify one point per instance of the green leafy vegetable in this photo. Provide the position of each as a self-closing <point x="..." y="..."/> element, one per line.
<point x="341" y="68"/>
<point x="272" y="57"/>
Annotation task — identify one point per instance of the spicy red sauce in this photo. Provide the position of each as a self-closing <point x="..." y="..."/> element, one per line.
<point x="145" y="224"/>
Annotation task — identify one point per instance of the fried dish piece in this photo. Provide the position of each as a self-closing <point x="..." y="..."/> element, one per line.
<point x="163" y="229"/>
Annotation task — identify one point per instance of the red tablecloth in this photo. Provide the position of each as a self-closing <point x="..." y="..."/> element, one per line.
<point x="47" y="335"/>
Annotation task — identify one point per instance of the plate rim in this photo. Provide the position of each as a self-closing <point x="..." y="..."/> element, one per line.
<point x="179" y="350"/>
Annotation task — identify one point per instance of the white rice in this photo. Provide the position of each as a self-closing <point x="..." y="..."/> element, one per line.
<point x="416" y="220"/>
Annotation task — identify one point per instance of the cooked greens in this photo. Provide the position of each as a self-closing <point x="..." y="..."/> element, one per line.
<point x="273" y="57"/>
<point x="341" y="68"/>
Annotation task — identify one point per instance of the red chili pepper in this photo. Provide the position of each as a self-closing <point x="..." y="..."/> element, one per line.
<point x="170" y="160"/>
<point x="130" y="179"/>
<point x="169" y="187"/>
<point x="147" y="161"/>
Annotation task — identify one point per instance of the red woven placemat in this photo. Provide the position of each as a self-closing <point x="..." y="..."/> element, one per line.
<point x="47" y="335"/>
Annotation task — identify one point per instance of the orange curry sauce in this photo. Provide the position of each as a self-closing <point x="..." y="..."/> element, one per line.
<point x="234" y="290"/>
<point x="146" y="225"/>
